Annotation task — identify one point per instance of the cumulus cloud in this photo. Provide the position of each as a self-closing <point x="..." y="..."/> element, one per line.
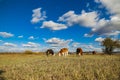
<point x="109" y="27"/>
<point x="1" y="40"/>
<point x="6" y="35"/>
<point x="106" y="27"/>
<point x="31" y="38"/>
<point x="85" y="47"/>
<point x="57" y="42"/>
<point x="9" y="44"/>
<point x="53" y="25"/>
<point x="87" y="5"/>
<point x="88" y="47"/>
<point x="38" y="15"/>
<point x="21" y="36"/>
<point x="112" y="6"/>
<point x="87" y="19"/>
<point x="31" y="45"/>
<point x="11" y="47"/>
<point x="97" y="1"/>
<point x="75" y="44"/>
<point x="99" y="39"/>
<point x="113" y="33"/>
<point x="88" y="35"/>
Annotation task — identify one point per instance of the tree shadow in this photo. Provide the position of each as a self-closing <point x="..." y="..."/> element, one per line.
<point x="1" y="77"/>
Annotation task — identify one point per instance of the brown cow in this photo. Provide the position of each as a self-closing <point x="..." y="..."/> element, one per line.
<point x="93" y="52"/>
<point x="79" y="51"/>
<point x="63" y="52"/>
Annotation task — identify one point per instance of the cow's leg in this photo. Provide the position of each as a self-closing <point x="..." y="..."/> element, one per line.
<point x="79" y="54"/>
<point x="65" y="54"/>
<point x="47" y="53"/>
<point x="53" y="54"/>
<point x="59" y="54"/>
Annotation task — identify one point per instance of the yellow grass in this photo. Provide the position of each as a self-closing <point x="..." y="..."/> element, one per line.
<point x="72" y="67"/>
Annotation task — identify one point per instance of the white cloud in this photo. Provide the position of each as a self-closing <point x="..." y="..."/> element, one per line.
<point x="112" y="5"/>
<point x="9" y="44"/>
<point x="109" y="27"/>
<point x="11" y="47"/>
<point x="99" y="39"/>
<point x="31" y="38"/>
<point x="97" y="1"/>
<point x="88" y="4"/>
<point x="57" y="42"/>
<point x="114" y="33"/>
<point x="85" y="47"/>
<point x="1" y="40"/>
<point x="75" y="44"/>
<point x="87" y="19"/>
<point x="31" y="45"/>
<point x="53" y="25"/>
<point x="6" y="35"/>
<point x="38" y="15"/>
<point x="87" y="35"/>
<point x="21" y="36"/>
<point x="89" y="47"/>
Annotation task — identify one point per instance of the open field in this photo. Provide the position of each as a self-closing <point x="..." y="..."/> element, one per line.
<point x="72" y="67"/>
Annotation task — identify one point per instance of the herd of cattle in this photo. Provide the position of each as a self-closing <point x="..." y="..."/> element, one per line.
<point x="64" y="52"/>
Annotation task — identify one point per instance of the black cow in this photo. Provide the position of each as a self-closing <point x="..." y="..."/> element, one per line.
<point x="49" y="52"/>
<point x="93" y="52"/>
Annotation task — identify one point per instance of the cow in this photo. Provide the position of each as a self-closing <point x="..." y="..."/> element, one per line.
<point x="50" y="52"/>
<point x="79" y="51"/>
<point x="93" y="52"/>
<point x="63" y="52"/>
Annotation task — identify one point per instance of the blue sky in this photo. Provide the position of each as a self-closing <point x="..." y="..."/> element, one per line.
<point x="41" y="24"/>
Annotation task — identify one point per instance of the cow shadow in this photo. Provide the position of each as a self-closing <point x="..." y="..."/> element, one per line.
<point x="1" y="77"/>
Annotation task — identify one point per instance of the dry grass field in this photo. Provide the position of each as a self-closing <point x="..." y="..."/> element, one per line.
<point x="72" y="67"/>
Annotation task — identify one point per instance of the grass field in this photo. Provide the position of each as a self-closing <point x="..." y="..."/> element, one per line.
<point x="72" y="67"/>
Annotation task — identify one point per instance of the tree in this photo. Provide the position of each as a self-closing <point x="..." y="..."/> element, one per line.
<point x="110" y="45"/>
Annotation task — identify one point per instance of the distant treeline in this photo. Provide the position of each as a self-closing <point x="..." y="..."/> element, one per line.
<point x="25" y="52"/>
<point x="30" y="52"/>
